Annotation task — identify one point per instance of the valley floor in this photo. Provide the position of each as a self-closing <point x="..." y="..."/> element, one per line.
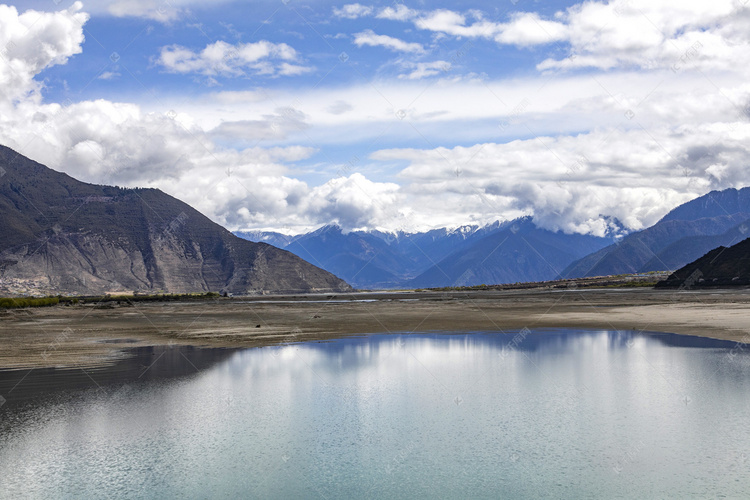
<point x="90" y="336"/>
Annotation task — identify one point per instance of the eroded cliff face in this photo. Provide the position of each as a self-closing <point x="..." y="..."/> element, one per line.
<point x="59" y="235"/>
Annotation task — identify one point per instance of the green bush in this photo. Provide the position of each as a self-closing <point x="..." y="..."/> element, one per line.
<point x="15" y="303"/>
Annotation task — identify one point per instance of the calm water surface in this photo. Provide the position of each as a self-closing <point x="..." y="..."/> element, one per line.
<point x="541" y="414"/>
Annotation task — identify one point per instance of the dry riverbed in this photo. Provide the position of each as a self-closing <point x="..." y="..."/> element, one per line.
<point x="89" y="335"/>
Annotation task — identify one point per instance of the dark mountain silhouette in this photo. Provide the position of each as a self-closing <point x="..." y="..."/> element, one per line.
<point x="61" y="235"/>
<point x="720" y="267"/>
<point x="683" y="235"/>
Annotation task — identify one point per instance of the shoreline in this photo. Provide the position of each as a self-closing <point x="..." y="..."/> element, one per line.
<point x="90" y="336"/>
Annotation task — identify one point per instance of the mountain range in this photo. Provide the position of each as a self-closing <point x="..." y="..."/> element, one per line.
<point x="375" y="259"/>
<point x="60" y="235"/>
<point x="519" y="251"/>
<point x="506" y="252"/>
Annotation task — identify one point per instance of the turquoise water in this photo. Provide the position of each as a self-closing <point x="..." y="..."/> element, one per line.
<point x="541" y="414"/>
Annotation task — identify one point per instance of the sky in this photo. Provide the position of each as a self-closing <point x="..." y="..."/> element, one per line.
<point x="289" y="114"/>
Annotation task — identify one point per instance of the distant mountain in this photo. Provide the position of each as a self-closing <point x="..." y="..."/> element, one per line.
<point x="683" y="235"/>
<point x="516" y="253"/>
<point x="713" y="204"/>
<point x="363" y="259"/>
<point x="718" y="268"/>
<point x="498" y="253"/>
<point x="60" y="235"/>
<point x="376" y="259"/>
<point x="278" y="240"/>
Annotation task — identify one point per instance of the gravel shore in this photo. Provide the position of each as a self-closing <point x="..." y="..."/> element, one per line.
<point x="90" y="336"/>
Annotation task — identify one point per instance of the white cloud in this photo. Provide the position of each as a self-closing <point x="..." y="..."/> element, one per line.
<point x="356" y="202"/>
<point x="158" y="10"/>
<point x="568" y="182"/>
<point x="287" y="69"/>
<point x="523" y="29"/>
<point x="454" y="23"/>
<point x="370" y="38"/>
<point x="163" y="11"/>
<point x="33" y="41"/>
<point x="399" y="12"/>
<point x="108" y="75"/>
<point x="352" y="11"/>
<point x="426" y="69"/>
<point x="222" y="58"/>
<point x="613" y="35"/>
<point x="644" y="34"/>
<point x="529" y="29"/>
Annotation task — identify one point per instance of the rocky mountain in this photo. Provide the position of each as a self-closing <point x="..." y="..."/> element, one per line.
<point x="519" y="252"/>
<point x="60" y="235"/>
<point x="720" y="267"/>
<point x="683" y="235"/>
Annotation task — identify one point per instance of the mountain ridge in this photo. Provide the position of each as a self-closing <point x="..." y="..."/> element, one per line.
<point x="721" y="267"/>
<point x="698" y="225"/>
<point x="377" y="259"/>
<point x="61" y="235"/>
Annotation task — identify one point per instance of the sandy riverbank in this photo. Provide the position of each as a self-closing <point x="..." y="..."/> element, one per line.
<point x="90" y="336"/>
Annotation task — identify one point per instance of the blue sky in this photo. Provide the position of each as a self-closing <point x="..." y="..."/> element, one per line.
<point x="286" y="116"/>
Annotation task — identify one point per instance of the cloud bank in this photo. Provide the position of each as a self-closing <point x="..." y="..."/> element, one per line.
<point x="633" y="107"/>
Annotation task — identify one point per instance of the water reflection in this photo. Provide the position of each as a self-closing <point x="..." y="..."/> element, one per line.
<point x="523" y="414"/>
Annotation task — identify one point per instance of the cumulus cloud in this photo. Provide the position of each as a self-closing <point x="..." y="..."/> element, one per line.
<point x="370" y="38"/>
<point x="118" y="144"/>
<point x="222" y="58"/>
<point x="611" y="35"/>
<point x="529" y="29"/>
<point x="398" y="12"/>
<point x="523" y="29"/>
<point x="569" y="182"/>
<point x="352" y="11"/>
<point x="639" y="33"/>
<point x="356" y="202"/>
<point x="33" y="41"/>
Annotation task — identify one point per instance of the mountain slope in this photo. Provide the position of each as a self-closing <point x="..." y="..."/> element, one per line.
<point x="61" y="235"/>
<point x="721" y="266"/>
<point x="521" y="252"/>
<point x="683" y="250"/>
<point x="713" y="204"/>
<point x="363" y="259"/>
<point x="681" y="236"/>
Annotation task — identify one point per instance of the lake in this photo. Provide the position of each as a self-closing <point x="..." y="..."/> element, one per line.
<point x="527" y="414"/>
